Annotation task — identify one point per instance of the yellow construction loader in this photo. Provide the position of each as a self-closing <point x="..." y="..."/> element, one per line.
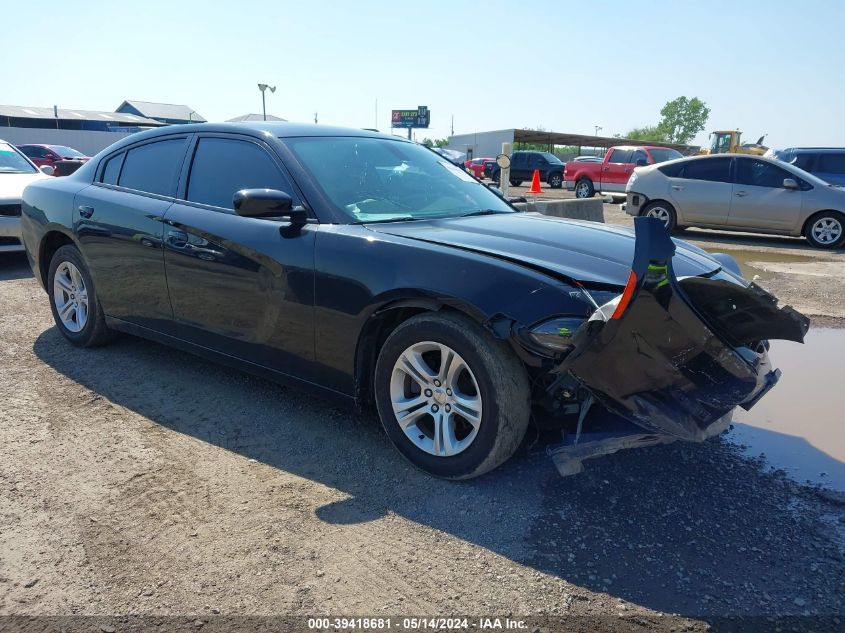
<point x="728" y="142"/>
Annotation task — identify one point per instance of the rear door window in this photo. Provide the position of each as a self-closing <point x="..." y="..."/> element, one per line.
<point x="222" y="167"/>
<point x="639" y="155"/>
<point x="154" y="167"/>
<point x="757" y="173"/>
<point x="711" y="169"/>
<point x="620" y="156"/>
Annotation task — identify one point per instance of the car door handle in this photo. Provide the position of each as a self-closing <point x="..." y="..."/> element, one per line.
<point x="177" y="238"/>
<point x="741" y="194"/>
<point x="86" y="212"/>
<point x="678" y="187"/>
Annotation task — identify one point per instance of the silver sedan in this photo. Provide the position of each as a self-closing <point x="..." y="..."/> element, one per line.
<point x="739" y="193"/>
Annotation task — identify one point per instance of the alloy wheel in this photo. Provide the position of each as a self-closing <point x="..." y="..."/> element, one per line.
<point x="435" y="398"/>
<point x="71" y="297"/>
<point x="827" y="230"/>
<point x="582" y="191"/>
<point x="661" y="214"/>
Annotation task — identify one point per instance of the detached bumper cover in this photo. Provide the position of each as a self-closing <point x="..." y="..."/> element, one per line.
<point x="684" y="353"/>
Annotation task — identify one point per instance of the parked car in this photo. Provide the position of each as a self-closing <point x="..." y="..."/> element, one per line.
<point x="828" y="163"/>
<point x="364" y="267"/>
<point x="64" y="159"/>
<point x="488" y="167"/>
<point x="609" y="176"/>
<point x="740" y="193"/>
<point x="453" y="156"/>
<point x="16" y="172"/>
<point x="523" y="164"/>
<point x="476" y="166"/>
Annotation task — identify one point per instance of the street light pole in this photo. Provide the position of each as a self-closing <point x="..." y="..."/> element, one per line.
<point x="262" y="88"/>
<point x="598" y="127"/>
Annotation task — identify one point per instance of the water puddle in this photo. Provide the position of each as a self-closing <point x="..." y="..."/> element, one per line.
<point x="764" y="265"/>
<point x="799" y="425"/>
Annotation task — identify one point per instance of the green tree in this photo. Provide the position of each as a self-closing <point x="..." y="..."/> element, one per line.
<point x="682" y="119"/>
<point x="438" y="142"/>
<point x="648" y="133"/>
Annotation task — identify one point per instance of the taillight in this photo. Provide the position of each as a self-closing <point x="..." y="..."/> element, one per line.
<point x="626" y="296"/>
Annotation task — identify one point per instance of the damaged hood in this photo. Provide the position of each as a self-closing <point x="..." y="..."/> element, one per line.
<point x="585" y="251"/>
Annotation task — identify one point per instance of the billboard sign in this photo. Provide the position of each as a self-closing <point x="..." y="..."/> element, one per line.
<point x="410" y="118"/>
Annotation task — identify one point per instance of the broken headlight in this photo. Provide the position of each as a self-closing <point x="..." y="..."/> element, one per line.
<point x="556" y="334"/>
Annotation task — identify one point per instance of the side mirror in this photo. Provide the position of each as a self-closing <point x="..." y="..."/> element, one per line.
<point x="267" y="203"/>
<point x="48" y="169"/>
<point x="642" y="162"/>
<point x="790" y="183"/>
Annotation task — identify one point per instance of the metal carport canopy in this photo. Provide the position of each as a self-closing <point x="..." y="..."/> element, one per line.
<point x="587" y="140"/>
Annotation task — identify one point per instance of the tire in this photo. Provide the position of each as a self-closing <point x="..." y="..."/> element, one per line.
<point x="825" y="229"/>
<point x="487" y="367"/>
<point x="584" y="188"/>
<point x="515" y="183"/>
<point x="556" y="181"/>
<point x="662" y="211"/>
<point x="84" y="324"/>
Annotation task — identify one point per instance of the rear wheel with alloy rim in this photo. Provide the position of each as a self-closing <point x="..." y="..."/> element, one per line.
<point x="825" y="229"/>
<point x="453" y="400"/>
<point x="664" y="212"/>
<point x="584" y="188"/>
<point x="556" y="181"/>
<point x="73" y="300"/>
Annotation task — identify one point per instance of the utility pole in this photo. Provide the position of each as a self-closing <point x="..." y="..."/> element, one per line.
<point x="315" y="118"/>
<point x="453" y="126"/>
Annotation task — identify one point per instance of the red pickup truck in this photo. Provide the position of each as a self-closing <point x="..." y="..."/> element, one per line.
<point x="611" y="175"/>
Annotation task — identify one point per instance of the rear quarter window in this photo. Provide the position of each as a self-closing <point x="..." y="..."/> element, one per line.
<point x="153" y="167"/>
<point x="112" y="169"/>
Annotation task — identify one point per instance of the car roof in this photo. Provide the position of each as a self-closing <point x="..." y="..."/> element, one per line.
<point x="821" y="150"/>
<point x="280" y="129"/>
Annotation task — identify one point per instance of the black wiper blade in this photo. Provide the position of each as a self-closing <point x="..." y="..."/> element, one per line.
<point x="403" y="218"/>
<point x="483" y="212"/>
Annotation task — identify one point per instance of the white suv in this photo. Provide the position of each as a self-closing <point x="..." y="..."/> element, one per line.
<point x="16" y="172"/>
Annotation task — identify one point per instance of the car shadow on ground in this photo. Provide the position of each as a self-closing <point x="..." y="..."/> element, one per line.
<point x="688" y="529"/>
<point x="14" y="266"/>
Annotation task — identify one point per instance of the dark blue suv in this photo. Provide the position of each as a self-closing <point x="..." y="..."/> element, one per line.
<point x="828" y="163"/>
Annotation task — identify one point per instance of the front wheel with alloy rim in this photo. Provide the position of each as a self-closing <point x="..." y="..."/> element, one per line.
<point x="664" y="212"/>
<point x="73" y="300"/>
<point x="453" y="400"/>
<point x="825" y="229"/>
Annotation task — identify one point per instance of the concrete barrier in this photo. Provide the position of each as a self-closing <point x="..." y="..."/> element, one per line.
<point x="578" y="209"/>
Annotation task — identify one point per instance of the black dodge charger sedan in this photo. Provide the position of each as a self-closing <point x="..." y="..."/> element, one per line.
<point x="370" y="268"/>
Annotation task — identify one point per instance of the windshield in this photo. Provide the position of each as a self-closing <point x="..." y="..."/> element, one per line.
<point x="554" y="160"/>
<point x="66" y="152"/>
<point x="662" y="155"/>
<point x="13" y="162"/>
<point x="382" y="180"/>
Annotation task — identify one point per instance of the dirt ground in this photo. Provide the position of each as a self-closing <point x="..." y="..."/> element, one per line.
<point x="137" y="480"/>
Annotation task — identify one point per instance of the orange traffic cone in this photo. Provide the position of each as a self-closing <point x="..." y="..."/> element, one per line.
<point x="535" y="183"/>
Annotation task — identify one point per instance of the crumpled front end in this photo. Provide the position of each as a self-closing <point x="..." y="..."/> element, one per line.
<point x="676" y="356"/>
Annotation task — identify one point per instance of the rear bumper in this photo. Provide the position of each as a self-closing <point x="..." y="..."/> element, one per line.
<point x="634" y="203"/>
<point x="684" y="353"/>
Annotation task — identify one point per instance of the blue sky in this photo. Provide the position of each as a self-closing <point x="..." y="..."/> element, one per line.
<point x="767" y="66"/>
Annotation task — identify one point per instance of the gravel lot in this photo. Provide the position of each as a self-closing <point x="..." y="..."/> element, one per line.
<point x="138" y="480"/>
